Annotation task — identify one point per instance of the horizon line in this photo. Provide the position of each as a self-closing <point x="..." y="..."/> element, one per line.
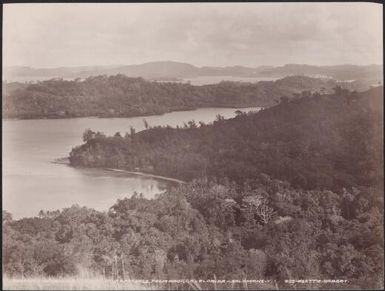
<point x="179" y="62"/>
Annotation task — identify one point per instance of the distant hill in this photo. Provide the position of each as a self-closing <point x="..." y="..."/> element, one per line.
<point x="122" y="96"/>
<point x="150" y="70"/>
<point x="169" y="69"/>
<point x="22" y="73"/>
<point x="341" y="72"/>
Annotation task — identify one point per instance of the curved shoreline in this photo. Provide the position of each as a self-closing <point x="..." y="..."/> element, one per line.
<point x="148" y="114"/>
<point x="146" y="175"/>
<point x="65" y="161"/>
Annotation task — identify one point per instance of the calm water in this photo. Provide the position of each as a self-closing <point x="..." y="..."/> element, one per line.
<point x="205" y="80"/>
<point x="31" y="181"/>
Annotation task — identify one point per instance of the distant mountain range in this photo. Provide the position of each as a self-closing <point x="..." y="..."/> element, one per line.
<point x="176" y="70"/>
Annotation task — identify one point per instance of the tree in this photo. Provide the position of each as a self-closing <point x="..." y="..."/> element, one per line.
<point x="219" y="118"/>
<point x="88" y="135"/>
<point x="100" y="135"/>
<point x="132" y="130"/>
<point x="145" y="123"/>
<point x="292" y="249"/>
<point x="266" y="213"/>
<point x="7" y="217"/>
<point x="239" y="112"/>
<point x="258" y="205"/>
<point x="192" y="124"/>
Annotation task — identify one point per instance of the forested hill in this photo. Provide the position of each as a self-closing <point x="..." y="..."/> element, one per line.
<point x="206" y="229"/>
<point x="316" y="141"/>
<point x="121" y="96"/>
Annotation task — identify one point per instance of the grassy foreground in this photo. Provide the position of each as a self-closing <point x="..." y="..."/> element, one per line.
<point x="70" y="284"/>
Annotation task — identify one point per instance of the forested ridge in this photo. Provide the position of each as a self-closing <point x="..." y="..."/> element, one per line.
<point x="122" y="96"/>
<point x="291" y="192"/>
<point x="313" y="141"/>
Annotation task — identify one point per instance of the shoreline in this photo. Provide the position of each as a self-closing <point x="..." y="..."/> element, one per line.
<point x="65" y="161"/>
<point x="144" y="115"/>
<point x="146" y="175"/>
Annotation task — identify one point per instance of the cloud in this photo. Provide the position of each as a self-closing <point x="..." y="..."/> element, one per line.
<point x="47" y="35"/>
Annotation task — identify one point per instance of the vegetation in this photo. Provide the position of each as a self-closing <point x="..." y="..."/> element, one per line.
<point x="121" y="96"/>
<point x="292" y="192"/>
<point x="263" y="229"/>
<point x="314" y="142"/>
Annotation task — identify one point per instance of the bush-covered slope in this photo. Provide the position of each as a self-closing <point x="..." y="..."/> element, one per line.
<point x="329" y="141"/>
<point x="265" y="231"/>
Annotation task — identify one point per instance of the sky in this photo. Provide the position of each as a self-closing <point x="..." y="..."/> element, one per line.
<point x="202" y="34"/>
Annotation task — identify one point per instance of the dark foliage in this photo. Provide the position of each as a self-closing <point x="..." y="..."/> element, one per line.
<point x="234" y="219"/>
<point x="121" y="96"/>
<point x="314" y="142"/>
<point x="261" y="229"/>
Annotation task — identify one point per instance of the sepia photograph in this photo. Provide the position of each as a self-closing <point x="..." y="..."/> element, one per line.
<point x="192" y="146"/>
